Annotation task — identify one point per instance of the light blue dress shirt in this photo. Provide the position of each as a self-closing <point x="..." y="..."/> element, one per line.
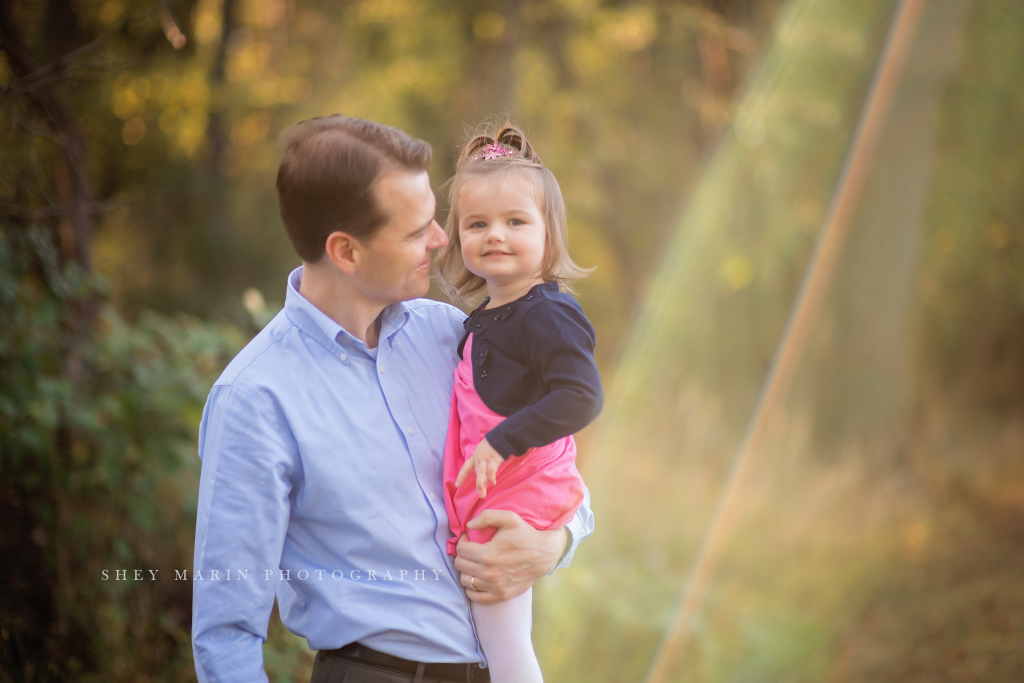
<point x="321" y="484"/>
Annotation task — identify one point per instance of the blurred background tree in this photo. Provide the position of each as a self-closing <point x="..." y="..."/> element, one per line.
<point x="697" y="143"/>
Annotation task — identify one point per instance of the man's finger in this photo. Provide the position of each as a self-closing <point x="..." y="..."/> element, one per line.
<point x="472" y="583"/>
<point x="495" y="518"/>
<point x="486" y="597"/>
<point x="466" y="467"/>
<point x="467" y="561"/>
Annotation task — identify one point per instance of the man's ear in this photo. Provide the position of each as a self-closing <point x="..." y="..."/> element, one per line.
<point x="344" y="251"/>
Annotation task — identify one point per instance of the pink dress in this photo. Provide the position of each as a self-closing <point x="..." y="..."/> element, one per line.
<point x="542" y="486"/>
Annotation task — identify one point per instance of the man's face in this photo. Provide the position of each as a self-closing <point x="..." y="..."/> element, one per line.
<point x="397" y="257"/>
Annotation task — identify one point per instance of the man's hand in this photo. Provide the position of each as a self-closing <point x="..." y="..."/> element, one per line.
<point x="485" y="460"/>
<point x="512" y="561"/>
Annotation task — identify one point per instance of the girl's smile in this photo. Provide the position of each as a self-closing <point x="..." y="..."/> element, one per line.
<point x="502" y="233"/>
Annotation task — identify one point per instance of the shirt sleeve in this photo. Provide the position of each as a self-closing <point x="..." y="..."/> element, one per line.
<point x="456" y="317"/>
<point x="558" y="342"/>
<point x="579" y="527"/>
<point x="249" y="459"/>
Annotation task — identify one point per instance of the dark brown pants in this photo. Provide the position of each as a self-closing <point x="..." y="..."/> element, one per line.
<point x="331" y="669"/>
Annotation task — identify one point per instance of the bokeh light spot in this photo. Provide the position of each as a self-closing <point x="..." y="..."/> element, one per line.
<point x="133" y="132"/>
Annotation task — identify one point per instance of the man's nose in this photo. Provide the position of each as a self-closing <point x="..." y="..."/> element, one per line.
<point x="438" y="237"/>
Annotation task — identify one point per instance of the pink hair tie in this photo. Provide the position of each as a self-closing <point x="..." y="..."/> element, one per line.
<point x="494" y="151"/>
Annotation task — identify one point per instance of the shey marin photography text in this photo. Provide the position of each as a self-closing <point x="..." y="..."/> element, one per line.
<point x="389" y="574"/>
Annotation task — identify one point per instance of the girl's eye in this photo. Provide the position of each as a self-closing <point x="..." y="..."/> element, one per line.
<point x="515" y="221"/>
<point x="478" y="224"/>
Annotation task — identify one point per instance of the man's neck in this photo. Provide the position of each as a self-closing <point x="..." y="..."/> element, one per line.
<point x="326" y="288"/>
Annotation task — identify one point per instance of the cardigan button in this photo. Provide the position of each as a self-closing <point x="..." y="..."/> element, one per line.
<point x="478" y="324"/>
<point x="483" y="373"/>
<point x="497" y="318"/>
<point x="529" y="297"/>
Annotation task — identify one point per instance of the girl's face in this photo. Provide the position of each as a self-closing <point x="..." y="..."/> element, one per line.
<point x="502" y="231"/>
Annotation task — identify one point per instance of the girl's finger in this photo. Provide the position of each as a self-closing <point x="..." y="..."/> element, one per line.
<point x="466" y="467"/>
<point x="481" y="483"/>
<point x="492" y="473"/>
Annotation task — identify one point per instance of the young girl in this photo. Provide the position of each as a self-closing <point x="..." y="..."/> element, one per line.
<point x="527" y="380"/>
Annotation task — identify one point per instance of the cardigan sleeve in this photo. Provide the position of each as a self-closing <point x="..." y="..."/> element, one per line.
<point x="558" y="342"/>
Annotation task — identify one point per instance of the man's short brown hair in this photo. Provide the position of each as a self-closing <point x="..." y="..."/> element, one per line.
<point x="327" y="174"/>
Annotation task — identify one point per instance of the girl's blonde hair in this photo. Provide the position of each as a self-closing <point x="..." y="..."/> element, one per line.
<point x="455" y="279"/>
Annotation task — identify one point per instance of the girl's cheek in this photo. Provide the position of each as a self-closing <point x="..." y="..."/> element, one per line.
<point x="467" y="253"/>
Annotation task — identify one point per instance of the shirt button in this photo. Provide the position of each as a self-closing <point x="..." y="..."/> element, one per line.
<point x="410" y="431"/>
<point x="382" y="369"/>
<point x="433" y="497"/>
<point x="343" y="357"/>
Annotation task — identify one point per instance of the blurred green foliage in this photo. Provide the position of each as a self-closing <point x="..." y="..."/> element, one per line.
<point x="972" y="276"/>
<point x="623" y="102"/>
<point x="97" y="438"/>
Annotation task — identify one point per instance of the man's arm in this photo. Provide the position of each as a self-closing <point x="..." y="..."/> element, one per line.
<point x="518" y="555"/>
<point x="242" y="519"/>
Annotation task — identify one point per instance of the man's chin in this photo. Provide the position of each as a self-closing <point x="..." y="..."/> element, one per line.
<point x="417" y="290"/>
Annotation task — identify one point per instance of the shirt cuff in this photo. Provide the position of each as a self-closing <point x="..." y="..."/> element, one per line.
<point x="579" y="527"/>
<point x="499" y="442"/>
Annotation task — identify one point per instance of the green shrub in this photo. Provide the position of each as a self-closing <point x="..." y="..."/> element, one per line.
<point x="97" y="471"/>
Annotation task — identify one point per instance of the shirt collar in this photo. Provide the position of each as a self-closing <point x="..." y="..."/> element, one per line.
<point x="321" y="327"/>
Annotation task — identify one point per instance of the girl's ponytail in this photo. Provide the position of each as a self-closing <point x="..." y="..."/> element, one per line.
<point x="471" y="148"/>
<point x="509" y="136"/>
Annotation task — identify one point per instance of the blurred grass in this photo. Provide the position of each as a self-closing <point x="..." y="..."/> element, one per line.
<point x="887" y="562"/>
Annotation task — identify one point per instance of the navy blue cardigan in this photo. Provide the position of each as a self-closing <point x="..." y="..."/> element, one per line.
<point x="533" y="362"/>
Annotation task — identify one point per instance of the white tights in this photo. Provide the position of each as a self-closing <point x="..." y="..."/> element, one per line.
<point x="504" y="632"/>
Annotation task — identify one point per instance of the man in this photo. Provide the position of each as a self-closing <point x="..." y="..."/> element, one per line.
<point x="322" y="442"/>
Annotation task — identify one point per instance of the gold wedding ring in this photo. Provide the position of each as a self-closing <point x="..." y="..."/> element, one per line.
<point x="471" y="580"/>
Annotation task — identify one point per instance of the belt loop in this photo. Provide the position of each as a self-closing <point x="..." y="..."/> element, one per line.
<point x="418" y="678"/>
<point x="469" y="673"/>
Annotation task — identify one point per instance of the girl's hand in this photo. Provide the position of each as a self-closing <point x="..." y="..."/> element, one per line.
<point x="485" y="461"/>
